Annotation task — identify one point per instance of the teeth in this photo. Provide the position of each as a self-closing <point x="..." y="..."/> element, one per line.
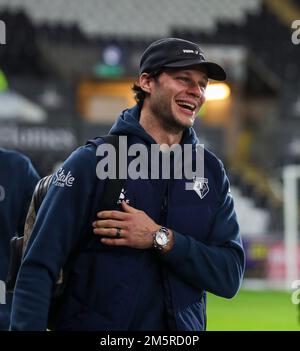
<point x="187" y="104"/>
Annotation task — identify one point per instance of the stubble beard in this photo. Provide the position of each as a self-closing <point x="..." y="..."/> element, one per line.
<point x="162" y="111"/>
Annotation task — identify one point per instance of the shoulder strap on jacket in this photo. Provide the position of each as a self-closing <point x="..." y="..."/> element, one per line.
<point x="113" y="187"/>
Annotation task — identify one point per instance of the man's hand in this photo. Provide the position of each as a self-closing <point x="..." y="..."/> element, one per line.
<point x="135" y="227"/>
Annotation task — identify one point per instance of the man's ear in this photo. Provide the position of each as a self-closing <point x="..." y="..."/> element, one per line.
<point x="145" y="82"/>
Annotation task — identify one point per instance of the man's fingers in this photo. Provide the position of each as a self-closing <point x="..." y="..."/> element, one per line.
<point x="118" y="215"/>
<point x="114" y="242"/>
<point x="129" y="209"/>
<point x="109" y="223"/>
<point x="110" y="232"/>
<point x="105" y="231"/>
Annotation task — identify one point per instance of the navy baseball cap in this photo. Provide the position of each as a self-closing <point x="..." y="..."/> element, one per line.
<point x="177" y="53"/>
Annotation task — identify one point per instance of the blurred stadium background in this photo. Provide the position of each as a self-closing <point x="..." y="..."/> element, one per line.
<point x="66" y="68"/>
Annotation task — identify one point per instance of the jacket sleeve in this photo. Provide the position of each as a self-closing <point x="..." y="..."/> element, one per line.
<point x="217" y="265"/>
<point x="59" y="223"/>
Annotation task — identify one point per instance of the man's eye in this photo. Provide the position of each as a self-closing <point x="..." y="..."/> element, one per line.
<point x="184" y="79"/>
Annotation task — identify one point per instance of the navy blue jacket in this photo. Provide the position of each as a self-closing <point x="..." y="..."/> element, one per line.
<point x="17" y="182"/>
<point x="105" y="282"/>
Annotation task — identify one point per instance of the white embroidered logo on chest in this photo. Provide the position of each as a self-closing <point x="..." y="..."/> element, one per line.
<point x="201" y="186"/>
<point x="123" y="197"/>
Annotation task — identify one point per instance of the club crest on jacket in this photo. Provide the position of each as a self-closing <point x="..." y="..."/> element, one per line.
<point x="201" y="186"/>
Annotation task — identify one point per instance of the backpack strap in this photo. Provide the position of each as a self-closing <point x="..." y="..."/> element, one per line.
<point x="38" y="196"/>
<point x="18" y="243"/>
<point x="113" y="187"/>
<point x="40" y="191"/>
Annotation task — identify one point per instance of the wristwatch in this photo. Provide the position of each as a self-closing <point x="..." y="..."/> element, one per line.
<point x="161" y="238"/>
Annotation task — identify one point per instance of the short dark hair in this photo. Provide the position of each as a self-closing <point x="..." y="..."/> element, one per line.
<point x="139" y="93"/>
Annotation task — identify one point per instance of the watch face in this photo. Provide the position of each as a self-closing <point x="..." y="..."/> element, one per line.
<point x="161" y="238"/>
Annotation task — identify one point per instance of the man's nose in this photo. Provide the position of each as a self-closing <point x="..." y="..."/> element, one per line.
<point x="195" y="91"/>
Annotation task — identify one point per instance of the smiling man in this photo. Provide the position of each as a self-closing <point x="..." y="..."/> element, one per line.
<point x="153" y="257"/>
<point x="176" y="98"/>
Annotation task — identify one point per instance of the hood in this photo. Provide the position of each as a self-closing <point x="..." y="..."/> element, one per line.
<point x="128" y="124"/>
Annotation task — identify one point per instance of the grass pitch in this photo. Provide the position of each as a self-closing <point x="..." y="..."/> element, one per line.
<point x="253" y="311"/>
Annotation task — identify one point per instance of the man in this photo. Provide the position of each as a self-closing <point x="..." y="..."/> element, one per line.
<point x="17" y="182"/>
<point x="152" y="259"/>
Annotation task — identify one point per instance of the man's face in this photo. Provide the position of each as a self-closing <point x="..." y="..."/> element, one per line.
<point x="176" y="97"/>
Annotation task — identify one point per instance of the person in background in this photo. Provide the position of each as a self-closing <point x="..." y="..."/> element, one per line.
<point x="18" y="179"/>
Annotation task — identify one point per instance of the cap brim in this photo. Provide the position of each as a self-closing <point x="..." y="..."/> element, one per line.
<point x="214" y="71"/>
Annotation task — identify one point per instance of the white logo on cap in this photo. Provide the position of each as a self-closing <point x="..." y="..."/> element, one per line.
<point x="188" y="51"/>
